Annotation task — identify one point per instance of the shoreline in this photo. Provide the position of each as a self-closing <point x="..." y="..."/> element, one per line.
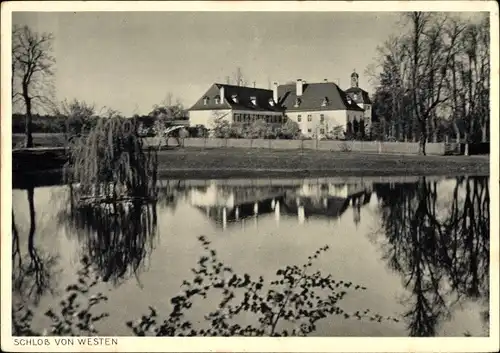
<point x="225" y="163"/>
<point x="53" y="177"/>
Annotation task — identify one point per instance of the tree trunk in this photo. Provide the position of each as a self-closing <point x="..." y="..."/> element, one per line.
<point x="422" y="138"/>
<point x="484" y="133"/>
<point x="29" y="118"/>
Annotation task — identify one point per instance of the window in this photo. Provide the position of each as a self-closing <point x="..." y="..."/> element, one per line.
<point x="299" y="118"/>
<point x="309" y="117"/>
<point x="309" y="130"/>
<point x="322" y="131"/>
<point x="234" y="97"/>
<point x="322" y="118"/>
<point x="325" y="102"/>
<point x="205" y="100"/>
<point x="217" y="99"/>
<point x="297" y="102"/>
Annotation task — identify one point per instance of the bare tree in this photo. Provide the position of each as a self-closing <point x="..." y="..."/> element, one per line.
<point x="430" y="51"/>
<point x="238" y="78"/>
<point x="32" y="70"/>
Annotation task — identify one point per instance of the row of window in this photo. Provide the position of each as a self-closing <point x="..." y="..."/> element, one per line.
<point x="309" y="118"/>
<point x="248" y="118"/>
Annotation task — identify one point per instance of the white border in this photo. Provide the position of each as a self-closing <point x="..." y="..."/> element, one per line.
<point x="180" y="344"/>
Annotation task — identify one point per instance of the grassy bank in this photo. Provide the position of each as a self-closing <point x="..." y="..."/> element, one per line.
<point x="191" y="163"/>
<point x="221" y="161"/>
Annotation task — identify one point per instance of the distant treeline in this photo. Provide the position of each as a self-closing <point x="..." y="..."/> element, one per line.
<point x="61" y="124"/>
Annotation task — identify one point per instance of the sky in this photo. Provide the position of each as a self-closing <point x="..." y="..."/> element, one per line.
<point x="130" y="61"/>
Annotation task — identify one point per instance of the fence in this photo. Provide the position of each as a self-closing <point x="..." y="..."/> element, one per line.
<point x="321" y="145"/>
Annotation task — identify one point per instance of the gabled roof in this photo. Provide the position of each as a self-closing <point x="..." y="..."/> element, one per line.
<point x="363" y="96"/>
<point x="244" y="95"/>
<point x="312" y="97"/>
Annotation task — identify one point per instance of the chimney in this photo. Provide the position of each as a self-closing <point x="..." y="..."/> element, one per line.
<point x="222" y="96"/>
<point x="325" y="80"/>
<point x="299" y="87"/>
<point x="275" y="92"/>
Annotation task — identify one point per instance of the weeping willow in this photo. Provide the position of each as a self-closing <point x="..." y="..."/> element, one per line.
<point x="113" y="195"/>
<point x="109" y="163"/>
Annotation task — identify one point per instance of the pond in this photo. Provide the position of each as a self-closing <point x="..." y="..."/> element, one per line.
<point x="404" y="256"/>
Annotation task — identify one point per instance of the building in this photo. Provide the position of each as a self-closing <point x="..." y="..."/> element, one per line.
<point x="236" y="104"/>
<point x="361" y="98"/>
<point x="320" y="109"/>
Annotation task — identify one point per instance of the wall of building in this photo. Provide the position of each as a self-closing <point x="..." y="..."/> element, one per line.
<point x="310" y="122"/>
<point x="206" y="117"/>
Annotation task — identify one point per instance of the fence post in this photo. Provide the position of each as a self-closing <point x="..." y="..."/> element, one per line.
<point x="379" y="147"/>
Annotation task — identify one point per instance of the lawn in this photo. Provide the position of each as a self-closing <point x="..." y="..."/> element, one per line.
<point x="247" y="162"/>
<point x="223" y="162"/>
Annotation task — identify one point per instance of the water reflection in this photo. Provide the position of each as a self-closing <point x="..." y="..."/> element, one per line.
<point x="228" y="203"/>
<point x="32" y="274"/>
<point x="116" y="235"/>
<point x="442" y="253"/>
<point x="434" y="233"/>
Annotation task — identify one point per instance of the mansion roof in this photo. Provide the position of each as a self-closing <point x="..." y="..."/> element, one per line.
<point x="313" y="97"/>
<point x="243" y="99"/>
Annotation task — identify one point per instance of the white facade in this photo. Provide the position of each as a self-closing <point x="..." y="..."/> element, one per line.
<point x="320" y="123"/>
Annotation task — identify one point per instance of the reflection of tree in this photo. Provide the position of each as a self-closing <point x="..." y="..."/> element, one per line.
<point x="443" y="258"/>
<point x="32" y="276"/>
<point x="117" y="235"/>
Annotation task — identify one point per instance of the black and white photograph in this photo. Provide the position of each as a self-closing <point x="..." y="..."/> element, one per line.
<point x="249" y="169"/>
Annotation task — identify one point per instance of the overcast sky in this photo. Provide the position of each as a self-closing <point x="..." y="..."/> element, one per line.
<point x="130" y="61"/>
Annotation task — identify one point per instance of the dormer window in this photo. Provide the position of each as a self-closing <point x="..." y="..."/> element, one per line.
<point x="205" y="100"/>
<point x="234" y="97"/>
<point x="253" y="99"/>
<point x="297" y="102"/>
<point x="349" y="100"/>
<point x="325" y="102"/>
<point x="217" y="99"/>
<point x="355" y="96"/>
<point x="271" y="102"/>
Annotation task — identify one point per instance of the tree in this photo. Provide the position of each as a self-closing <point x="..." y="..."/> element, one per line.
<point x="470" y="80"/>
<point x="257" y="129"/>
<point x="290" y="129"/>
<point x="237" y="78"/>
<point x="220" y="126"/>
<point x="435" y="72"/>
<point x="80" y="116"/>
<point x="32" y="66"/>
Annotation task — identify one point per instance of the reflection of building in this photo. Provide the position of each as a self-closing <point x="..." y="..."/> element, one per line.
<point x="323" y="204"/>
<point x="229" y="204"/>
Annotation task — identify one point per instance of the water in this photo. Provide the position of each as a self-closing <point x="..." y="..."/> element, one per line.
<point x="419" y="245"/>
